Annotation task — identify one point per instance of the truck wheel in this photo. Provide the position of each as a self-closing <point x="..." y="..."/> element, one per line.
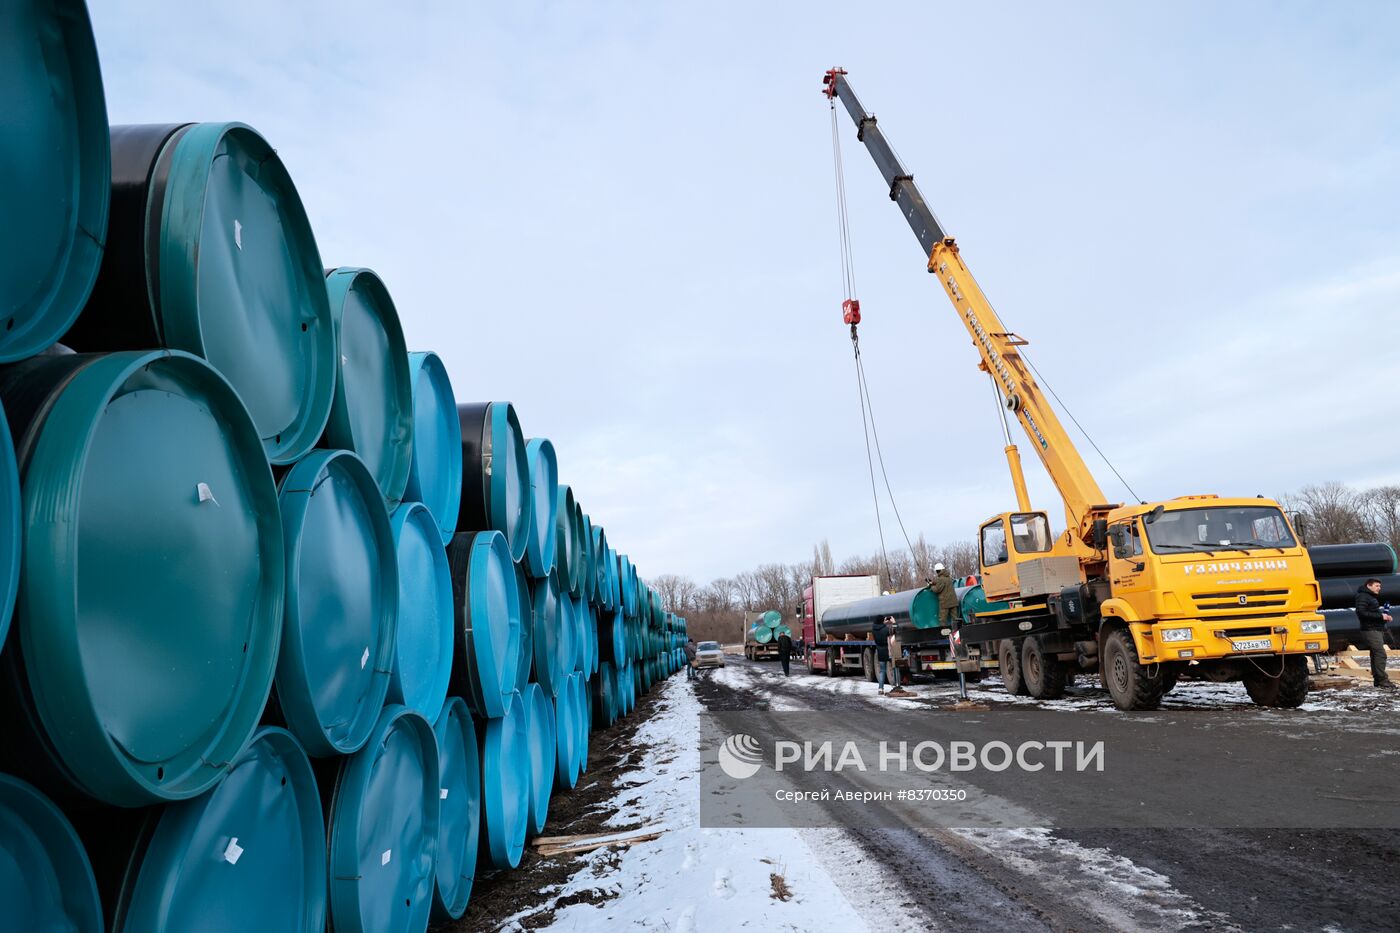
<point x="807" y="660"/>
<point x="1287" y="691"/>
<point x="1010" y="655"/>
<point x="1043" y="673"/>
<point x="867" y="664"/>
<point x="833" y="656"/>
<point x="748" y="653"/>
<point x="1125" y="677"/>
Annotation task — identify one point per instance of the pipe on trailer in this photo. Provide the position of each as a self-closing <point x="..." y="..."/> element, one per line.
<point x="913" y="610"/>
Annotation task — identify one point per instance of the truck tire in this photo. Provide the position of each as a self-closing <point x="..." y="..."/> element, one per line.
<point x="748" y="653"/>
<point x="832" y="662"/>
<point x="807" y="660"/>
<point x="1286" y="691"/>
<point x="1127" y="679"/>
<point x="1009" y="651"/>
<point x="867" y="664"/>
<point x="1042" y="672"/>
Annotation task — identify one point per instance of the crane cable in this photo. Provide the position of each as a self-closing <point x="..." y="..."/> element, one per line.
<point x="867" y="411"/>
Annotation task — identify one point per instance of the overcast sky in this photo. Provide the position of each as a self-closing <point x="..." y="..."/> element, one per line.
<point x="620" y="216"/>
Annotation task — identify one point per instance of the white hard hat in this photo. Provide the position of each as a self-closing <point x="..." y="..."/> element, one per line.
<point x="937" y="567"/>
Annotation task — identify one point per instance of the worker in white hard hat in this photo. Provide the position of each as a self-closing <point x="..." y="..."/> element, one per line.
<point x="942" y="586"/>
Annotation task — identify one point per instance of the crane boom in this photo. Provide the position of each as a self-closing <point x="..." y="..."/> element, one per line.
<point x="996" y="345"/>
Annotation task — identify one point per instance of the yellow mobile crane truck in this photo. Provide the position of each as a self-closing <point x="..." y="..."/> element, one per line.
<point x="1197" y="586"/>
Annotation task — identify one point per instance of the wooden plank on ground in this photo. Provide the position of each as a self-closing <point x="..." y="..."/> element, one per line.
<point x="541" y="841"/>
<point x="597" y="844"/>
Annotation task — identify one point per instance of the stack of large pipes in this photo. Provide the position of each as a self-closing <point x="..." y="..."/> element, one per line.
<point x="1341" y="570"/>
<point x="768" y="626"/>
<point x="297" y="640"/>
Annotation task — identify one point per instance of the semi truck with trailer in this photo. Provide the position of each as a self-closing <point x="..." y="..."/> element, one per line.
<point x="754" y="649"/>
<point x="838" y="612"/>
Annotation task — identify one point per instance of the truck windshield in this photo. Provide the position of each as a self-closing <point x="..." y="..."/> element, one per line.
<point x="1235" y="528"/>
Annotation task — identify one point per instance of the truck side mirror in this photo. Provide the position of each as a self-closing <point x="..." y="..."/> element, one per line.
<point x="1100" y="534"/>
<point x="1122" y="547"/>
<point x="1300" y="525"/>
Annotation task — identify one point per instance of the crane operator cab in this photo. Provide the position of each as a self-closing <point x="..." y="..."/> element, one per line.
<point x="1007" y="541"/>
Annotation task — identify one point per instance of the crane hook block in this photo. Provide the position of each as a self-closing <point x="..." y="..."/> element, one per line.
<point x="829" y="82"/>
<point x="850" y="311"/>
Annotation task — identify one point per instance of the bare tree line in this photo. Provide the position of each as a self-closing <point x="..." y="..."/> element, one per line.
<point x="1332" y="513"/>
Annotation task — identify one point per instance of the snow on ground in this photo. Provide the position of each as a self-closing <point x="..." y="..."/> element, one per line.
<point x="692" y="879"/>
<point x="1085" y="695"/>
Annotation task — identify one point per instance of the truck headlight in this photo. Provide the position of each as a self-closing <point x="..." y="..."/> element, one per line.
<point x="1176" y="634"/>
<point x="1312" y="626"/>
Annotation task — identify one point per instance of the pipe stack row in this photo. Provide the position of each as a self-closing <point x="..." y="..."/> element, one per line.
<point x="1341" y="570"/>
<point x="639" y="641"/>
<point x="291" y="639"/>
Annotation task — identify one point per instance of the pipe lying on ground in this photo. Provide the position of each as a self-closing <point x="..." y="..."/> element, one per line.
<point x="250" y="854"/>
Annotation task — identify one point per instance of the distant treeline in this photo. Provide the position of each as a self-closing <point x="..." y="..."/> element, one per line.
<point x="1332" y="513"/>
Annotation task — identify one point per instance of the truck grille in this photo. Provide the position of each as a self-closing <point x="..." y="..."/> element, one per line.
<point x="1261" y="599"/>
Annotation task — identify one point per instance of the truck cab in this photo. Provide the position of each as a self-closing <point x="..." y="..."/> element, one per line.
<point x="1007" y="543"/>
<point x="1203" y="577"/>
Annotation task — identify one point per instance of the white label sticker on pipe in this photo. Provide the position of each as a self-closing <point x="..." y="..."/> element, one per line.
<point x="364" y="659"/>
<point x="204" y="493"/>
<point x="237" y="234"/>
<point x="388" y="854"/>
<point x="233" y="851"/>
<point x="442" y="793"/>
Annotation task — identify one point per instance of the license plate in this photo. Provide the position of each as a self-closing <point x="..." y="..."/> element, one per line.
<point x="1253" y="644"/>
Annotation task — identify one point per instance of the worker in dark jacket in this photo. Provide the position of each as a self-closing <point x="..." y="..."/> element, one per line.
<point x="880" y="632"/>
<point x="784" y="650"/>
<point x="690" y="659"/>
<point x="1372" y="620"/>
<point x="942" y="587"/>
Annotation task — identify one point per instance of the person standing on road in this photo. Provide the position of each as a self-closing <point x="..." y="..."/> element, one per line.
<point x="881" y="632"/>
<point x="1372" y="620"/>
<point x="690" y="659"/>
<point x="784" y="650"/>
<point x="942" y="586"/>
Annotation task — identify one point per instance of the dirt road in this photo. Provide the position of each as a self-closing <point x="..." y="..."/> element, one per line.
<point x="1026" y="879"/>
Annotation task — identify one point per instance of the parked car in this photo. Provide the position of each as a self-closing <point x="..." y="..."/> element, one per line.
<point x="709" y="654"/>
